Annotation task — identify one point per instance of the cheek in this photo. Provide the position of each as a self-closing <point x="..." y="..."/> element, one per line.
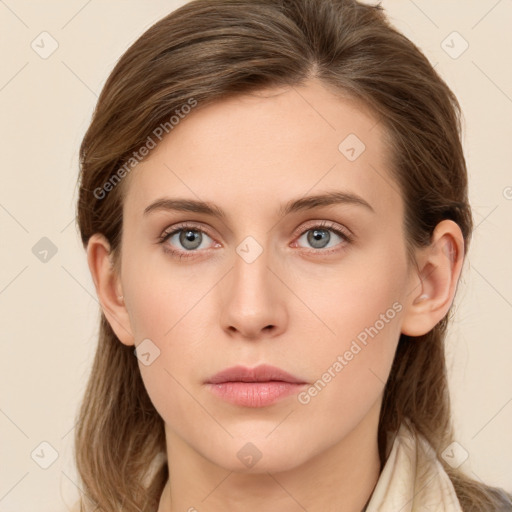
<point x="351" y="370"/>
<point x="163" y="297"/>
<point x="362" y="309"/>
<point x="352" y="296"/>
<point x="168" y="310"/>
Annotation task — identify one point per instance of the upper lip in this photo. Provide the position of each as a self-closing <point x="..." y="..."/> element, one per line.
<point x="261" y="373"/>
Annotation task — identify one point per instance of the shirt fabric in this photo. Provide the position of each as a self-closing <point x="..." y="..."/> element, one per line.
<point x="413" y="479"/>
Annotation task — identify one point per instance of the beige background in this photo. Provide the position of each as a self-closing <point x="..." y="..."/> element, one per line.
<point x="48" y="309"/>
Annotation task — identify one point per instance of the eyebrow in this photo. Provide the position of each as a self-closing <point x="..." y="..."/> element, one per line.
<point x="295" y="205"/>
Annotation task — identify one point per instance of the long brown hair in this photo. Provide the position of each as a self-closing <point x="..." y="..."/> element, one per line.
<point x="212" y="49"/>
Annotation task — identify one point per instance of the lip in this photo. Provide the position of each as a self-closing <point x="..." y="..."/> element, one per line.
<point x="254" y="387"/>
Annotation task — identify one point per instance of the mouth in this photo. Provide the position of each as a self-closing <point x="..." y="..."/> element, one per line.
<point x="254" y="387"/>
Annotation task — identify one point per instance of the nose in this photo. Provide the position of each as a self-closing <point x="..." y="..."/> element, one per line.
<point x="253" y="305"/>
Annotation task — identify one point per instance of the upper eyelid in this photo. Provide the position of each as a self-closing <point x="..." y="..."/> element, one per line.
<point x="180" y="227"/>
<point x="326" y="224"/>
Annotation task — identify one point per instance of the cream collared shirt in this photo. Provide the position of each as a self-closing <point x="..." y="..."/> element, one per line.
<point x="413" y="479"/>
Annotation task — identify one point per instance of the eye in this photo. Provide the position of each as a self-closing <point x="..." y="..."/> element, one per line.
<point x="320" y="237"/>
<point x="187" y="238"/>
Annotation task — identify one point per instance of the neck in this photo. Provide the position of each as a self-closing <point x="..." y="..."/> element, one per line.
<point x="340" y="478"/>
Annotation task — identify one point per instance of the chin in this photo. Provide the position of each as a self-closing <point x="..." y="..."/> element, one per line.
<point x="260" y="455"/>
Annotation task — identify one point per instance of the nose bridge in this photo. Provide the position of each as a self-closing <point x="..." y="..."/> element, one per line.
<point x="251" y="273"/>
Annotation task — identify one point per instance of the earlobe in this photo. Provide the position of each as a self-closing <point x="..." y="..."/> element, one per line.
<point x="434" y="283"/>
<point x="108" y="287"/>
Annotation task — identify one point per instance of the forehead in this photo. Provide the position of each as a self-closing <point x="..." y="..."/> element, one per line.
<point x="247" y="152"/>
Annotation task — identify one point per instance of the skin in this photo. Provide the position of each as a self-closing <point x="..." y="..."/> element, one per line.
<point x="296" y="306"/>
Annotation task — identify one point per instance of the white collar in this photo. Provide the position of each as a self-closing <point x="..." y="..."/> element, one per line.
<point x="413" y="479"/>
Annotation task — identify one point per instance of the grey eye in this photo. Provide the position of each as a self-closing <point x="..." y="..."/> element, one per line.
<point x="319" y="238"/>
<point x="190" y="239"/>
<point x="187" y="239"/>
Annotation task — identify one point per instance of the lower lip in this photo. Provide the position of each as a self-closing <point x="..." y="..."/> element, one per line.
<point x="254" y="394"/>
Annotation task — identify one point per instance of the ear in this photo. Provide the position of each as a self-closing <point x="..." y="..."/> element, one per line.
<point x="108" y="287"/>
<point x="434" y="281"/>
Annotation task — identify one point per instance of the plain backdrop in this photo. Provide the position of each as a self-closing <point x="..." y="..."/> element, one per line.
<point x="48" y="307"/>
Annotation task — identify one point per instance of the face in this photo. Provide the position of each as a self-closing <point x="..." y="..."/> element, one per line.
<point x="312" y="287"/>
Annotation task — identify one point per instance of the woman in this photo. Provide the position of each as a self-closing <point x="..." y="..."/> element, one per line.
<point x="273" y="198"/>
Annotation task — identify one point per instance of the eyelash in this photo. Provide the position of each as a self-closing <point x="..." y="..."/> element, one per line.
<point x="322" y="226"/>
